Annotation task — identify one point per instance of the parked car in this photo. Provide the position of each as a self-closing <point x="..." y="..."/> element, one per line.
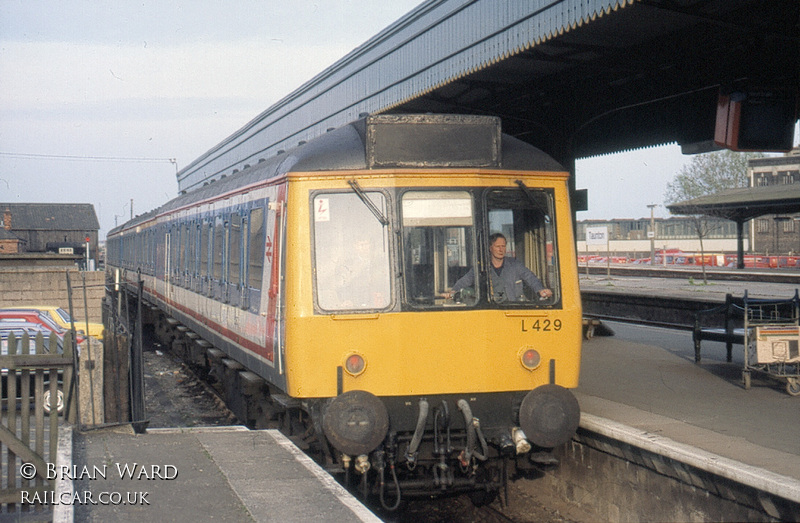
<point x="19" y="329"/>
<point x="62" y="317"/>
<point x="34" y="316"/>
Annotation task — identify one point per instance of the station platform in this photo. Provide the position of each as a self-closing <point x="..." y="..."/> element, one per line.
<point x="682" y="286"/>
<point x="202" y="474"/>
<point x="645" y="377"/>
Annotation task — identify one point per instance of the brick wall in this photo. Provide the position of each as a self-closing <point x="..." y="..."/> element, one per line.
<point x="48" y="286"/>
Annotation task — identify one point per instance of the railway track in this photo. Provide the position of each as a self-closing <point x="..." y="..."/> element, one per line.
<point x="667" y="301"/>
<point x="790" y="276"/>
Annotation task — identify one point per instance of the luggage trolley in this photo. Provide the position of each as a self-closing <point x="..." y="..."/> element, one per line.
<point x="772" y="340"/>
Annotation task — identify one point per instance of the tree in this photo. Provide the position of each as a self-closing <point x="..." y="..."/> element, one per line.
<point x="708" y="174"/>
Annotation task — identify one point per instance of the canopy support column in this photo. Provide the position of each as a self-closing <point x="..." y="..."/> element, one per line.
<point x="740" y="244"/>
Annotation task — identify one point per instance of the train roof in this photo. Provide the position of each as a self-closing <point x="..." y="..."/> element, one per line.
<point x="383" y="142"/>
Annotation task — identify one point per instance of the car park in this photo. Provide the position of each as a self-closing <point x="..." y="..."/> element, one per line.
<point x="34" y="316"/>
<point x="62" y="318"/>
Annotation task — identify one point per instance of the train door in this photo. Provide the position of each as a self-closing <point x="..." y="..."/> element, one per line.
<point x="243" y="301"/>
<point x="273" y="270"/>
<point x="279" y="274"/>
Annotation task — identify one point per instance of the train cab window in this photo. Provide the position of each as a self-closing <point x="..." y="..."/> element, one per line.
<point x="351" y="252"/>
<point x="256" y="246"/>
<point x="438" y="248"/>
<point x="525" y="218"/>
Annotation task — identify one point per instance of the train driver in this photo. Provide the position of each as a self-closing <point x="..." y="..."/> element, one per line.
<point x="506" y="276"/>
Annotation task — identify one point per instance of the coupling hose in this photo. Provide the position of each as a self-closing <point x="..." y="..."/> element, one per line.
<point x="416" y="439"/>
<point x="473" y="432"/>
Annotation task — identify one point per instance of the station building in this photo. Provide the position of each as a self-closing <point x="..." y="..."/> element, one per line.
<point x="776" y="233"/>
<point x="49" y="229"/>
<point x="768" y="234"/>
<point x="629" y="238"/>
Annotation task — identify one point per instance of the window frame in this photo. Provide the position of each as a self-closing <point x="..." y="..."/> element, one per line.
<point x="388" y="207"/>
<point x="474" y="196"/>
<point x="554" y="281"/>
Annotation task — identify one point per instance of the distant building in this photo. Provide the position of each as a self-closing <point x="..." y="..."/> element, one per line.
<point x="60" y="228"/>
<point x="775" y="234"/>
<point x="629" y="237"/>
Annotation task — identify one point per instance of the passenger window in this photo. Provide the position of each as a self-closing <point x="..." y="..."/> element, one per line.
<point x="175" y="241"/>
<point x="439" y="248"/>
<point x="351" y="252"/>
<point x="219" y="247"/>
<point x="256" y="248"/>
<point x="198" y="247"/>
<point x="525" y="219"/>
<point x="235" y="249"/>
<point x="188" y="255"/>
<point x="205" y="238"/>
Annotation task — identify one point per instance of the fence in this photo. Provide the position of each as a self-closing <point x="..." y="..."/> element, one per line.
<point x="37" y="392"/>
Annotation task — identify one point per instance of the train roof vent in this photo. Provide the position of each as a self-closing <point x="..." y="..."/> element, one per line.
<point x="432" y="140"/>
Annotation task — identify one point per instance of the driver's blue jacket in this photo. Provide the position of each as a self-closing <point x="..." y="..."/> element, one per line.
<point x="507" y="284"/>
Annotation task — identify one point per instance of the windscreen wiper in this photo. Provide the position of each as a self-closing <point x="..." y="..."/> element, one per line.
<point x="531" y="197"/>
<point x="371" y="206"/>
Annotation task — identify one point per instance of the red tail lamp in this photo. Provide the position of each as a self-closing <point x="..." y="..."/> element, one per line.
<point x="530" y="358"/>
<point x="354" y="364"/>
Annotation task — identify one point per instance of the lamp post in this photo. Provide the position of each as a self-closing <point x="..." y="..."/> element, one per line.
<point x="652" y="234"/>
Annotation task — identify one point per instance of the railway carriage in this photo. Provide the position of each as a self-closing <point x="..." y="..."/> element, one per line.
<point x="329" y="271"/>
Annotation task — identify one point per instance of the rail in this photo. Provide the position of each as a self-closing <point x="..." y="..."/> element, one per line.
<point x="791" y="276"/>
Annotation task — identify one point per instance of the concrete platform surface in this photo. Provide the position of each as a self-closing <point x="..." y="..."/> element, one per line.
<point x="645" y="378"/>
<point x="213" y="474"/>
<point x="685" y="287"/>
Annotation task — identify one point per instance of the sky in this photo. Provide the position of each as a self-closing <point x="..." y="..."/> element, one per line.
<point x="102" y="101"/>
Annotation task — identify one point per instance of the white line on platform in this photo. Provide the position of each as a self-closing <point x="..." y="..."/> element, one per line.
<point x="326" y="479"/>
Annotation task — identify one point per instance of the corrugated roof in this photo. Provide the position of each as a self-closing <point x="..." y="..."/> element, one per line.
<point x="51" y="216"/>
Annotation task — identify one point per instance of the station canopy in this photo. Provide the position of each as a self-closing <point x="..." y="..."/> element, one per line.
<point x="575" y="78"/>
<point x="743" y="203"/>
